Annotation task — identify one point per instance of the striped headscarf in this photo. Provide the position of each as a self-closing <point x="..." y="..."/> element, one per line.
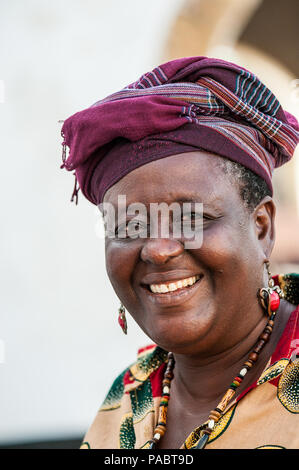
<point x="181" y="106"/>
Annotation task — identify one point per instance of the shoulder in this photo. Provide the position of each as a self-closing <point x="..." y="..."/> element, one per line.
<point x="115" y="416"/>
<point x="149" y="360"/>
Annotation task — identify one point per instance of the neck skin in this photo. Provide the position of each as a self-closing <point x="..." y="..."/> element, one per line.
<point x="200" y="383"/>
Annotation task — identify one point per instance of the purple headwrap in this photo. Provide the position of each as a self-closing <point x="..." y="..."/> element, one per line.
<point x="181" y="106"/>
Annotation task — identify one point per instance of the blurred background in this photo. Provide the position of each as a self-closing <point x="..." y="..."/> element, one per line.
<point x="60" y="344"/>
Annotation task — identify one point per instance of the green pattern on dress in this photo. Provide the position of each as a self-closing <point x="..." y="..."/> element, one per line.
<point x="142" y="401"/>
<point x="115" y="394"/>
<point x="127" y="438"/>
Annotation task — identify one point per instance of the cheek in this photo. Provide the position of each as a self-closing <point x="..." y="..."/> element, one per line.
<point x="120" y="264"/>
<point x="219" y="245"/>
<point x="226" y="253"/>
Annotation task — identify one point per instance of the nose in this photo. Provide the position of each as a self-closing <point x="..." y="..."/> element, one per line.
<point x="160" y="250"/>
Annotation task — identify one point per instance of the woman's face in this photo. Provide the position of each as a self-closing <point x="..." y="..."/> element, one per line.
<point x="220" y="307"/>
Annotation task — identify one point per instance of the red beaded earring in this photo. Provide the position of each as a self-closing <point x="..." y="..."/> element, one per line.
<point x="270" y="296"/>
<point x="122" y="321"/>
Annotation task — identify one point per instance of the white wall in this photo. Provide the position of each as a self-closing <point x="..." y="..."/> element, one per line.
<point x="58" y="312"/>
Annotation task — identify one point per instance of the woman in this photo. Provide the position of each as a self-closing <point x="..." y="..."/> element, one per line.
<point x="223" y="371"/>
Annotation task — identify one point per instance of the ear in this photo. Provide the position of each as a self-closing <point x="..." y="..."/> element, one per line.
<point x="264" y="217"/>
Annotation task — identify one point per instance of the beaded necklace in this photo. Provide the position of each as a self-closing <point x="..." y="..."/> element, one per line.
<point x="271" y="304"/>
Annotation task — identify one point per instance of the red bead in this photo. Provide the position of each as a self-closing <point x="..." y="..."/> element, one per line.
<point x="274" y="301"/>
<point x="238" y="379"/>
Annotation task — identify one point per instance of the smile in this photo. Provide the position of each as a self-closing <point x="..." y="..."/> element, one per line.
<point x="174" y="292"/>
<point x="174" y="285"/>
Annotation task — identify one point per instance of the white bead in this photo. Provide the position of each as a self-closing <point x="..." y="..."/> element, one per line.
<point x="166" y="389"/>
<point x="211" y="424"/>
<point x="157" y="436"/>
<point x="243" y="372"/>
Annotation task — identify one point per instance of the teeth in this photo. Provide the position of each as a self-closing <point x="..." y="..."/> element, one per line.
<point x="164" y="288"/>
<point x="172" y="286"/>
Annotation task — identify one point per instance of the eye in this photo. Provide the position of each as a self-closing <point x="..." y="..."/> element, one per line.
<point x="193" y="217"/>
<point x="132" y="229"/>
<point x="136" y="228"/>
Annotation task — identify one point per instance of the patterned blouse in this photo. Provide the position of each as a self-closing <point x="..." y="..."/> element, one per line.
<point x="264" y="416"/>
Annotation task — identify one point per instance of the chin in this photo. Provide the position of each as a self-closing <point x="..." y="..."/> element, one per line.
<point x="181" y="336"/>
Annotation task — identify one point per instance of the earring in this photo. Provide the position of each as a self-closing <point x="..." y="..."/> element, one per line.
<point x="270" y="296"/>
<point x="122" y="318"/>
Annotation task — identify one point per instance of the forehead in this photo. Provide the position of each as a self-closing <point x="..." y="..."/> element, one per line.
<point x="188" y="176"/>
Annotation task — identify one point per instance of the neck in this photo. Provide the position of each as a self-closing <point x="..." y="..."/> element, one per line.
<point x="199" y="380"/>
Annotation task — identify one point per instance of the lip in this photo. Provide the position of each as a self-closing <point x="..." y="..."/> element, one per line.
<point x="167" y="277"/>
<point x="169" y="299"/>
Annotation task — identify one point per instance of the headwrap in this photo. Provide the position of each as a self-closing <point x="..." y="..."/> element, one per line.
<point x="188" y="104"/>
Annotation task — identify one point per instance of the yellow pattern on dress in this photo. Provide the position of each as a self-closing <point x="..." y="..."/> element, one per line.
<point x="219" y="428"/>
<point x="273" y="371"/>
<point x="288" y="387"/>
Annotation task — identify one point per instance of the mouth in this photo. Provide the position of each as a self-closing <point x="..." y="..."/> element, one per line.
<point x="172" y="292"/>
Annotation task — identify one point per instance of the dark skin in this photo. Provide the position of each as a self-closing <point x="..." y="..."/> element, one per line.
<point x="212" y="330"/>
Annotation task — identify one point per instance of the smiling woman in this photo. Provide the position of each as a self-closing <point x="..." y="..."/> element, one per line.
<point x="223" y="373"/>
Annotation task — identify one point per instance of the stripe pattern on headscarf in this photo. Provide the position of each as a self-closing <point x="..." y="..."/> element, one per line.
<point x="231" y="111"/>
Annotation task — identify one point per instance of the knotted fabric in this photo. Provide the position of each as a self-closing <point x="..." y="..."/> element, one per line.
<point x="188" y="104"/>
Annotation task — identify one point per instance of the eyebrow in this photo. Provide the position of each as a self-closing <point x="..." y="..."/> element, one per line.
<point x="180" y="200"/>
<point x="187" y="199"/>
